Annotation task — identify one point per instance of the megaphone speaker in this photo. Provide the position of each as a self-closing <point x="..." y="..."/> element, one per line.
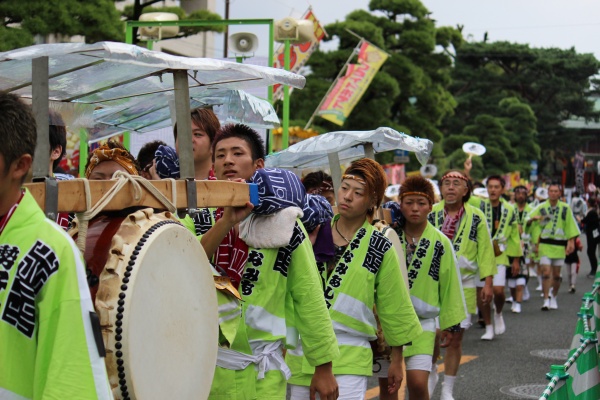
<point x="295" y="31"/>
<point x="159" y="32"/>
<point x="243" y="43"/>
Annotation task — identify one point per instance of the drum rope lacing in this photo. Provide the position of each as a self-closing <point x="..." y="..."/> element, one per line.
<point x="121" y="178"/>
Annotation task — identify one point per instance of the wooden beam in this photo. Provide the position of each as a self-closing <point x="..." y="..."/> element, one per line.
<point x="71" y="194"/>
<point x="336" y="172"/>
<point x="40" y="90"/>
<point x="184" y="125"/>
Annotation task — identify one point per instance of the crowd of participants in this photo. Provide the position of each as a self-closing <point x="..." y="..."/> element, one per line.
<point x="327" y="301"/>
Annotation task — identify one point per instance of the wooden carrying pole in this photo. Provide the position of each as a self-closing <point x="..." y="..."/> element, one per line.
<point x="71" y="194"/>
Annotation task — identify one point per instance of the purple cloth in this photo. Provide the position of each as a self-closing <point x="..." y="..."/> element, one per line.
<point x="324" y="248"/>
<point x="167" y="162"/>
<point x="277" y="189"/>
<point x="317" y="211"/>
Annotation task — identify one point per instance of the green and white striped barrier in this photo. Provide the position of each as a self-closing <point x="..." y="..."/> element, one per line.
<point x="579" y="377"/>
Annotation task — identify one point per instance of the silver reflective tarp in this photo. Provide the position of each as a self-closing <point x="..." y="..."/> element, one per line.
<point x="313" y="151"/>
<point x="129" y="88"/>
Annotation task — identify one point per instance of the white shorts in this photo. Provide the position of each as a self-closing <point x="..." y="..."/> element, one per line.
<point x="421" y="362"/>
<point x="351" y="387"/>
<point x="466" y="323"/>
<point x="499" y="278"/>
<point x="555" y="262"/>
<point x="384" y="367"/>
<point x="513" y="283"/>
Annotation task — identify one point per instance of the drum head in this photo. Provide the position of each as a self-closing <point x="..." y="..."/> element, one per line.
<point x="159" y="290"/>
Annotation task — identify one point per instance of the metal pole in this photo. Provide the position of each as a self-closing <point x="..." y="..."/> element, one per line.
<point x="128" y="33"/>
<point x="40" y="92"/>
<point x="184" y="124"/>
<point x="354" y="52"/>
<point x="226" y="33"/>
<point x="270" y="89"/>
<point x="83" y="151"/>
<point x="286" y="101"/>
<point x="369" y="151"/>
<point x="336" y="171"/>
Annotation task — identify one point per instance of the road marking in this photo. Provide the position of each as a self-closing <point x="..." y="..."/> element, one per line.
<point x="374" y="392"/>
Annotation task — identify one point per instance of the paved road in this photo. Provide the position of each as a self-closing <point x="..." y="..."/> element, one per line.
<point x="507" y="364"/>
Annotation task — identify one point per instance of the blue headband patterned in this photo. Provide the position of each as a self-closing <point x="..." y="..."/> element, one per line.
<point x="167" y="162"/>
<point x="277" y="189"/>
<point x="395" y="209"/>
<point x="317" y="211"/>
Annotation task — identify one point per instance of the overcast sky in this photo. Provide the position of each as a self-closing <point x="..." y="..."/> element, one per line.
<point x="540" y="23"/>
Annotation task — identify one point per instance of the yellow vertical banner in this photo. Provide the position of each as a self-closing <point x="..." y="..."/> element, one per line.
<point x="515" y="179"/>
<point x="299" y="53"/>
<point x="348" y="90"/>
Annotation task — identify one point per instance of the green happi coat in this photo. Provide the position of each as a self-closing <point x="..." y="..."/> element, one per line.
<point x="560" y="227"/>
<point x="507" y="235"/>
<point x="473" y="248"/>
<point x="435" y="287"/>
<point x="530" y="233"/>
<point x="367" y="274"/>
<point x="47" y="344"/>
<point x="282" y="294"/>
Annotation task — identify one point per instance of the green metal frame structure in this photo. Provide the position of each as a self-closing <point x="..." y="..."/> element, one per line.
<point x="136" y="24"/>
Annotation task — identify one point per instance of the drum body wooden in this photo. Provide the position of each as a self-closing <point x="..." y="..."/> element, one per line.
<point x="158" y="310"/>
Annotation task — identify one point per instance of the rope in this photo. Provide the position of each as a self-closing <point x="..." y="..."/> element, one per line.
<point x="121" y="178"/>
<point x="550" y="388"/>
<point x="576" y="355"/>
<point x="586" y="323"/>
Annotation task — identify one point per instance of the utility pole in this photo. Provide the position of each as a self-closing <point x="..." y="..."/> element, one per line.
<point x="226" y="34"/>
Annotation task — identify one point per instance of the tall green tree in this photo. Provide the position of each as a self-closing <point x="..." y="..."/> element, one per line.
<point x="410" y="93"/>
<point x="21" y="20"/>
<point x="491" y="79"/>
<point x="510" y="138"/>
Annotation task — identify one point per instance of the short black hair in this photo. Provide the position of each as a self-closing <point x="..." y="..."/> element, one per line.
<point x="18" y="133"/>
<point x="498" y="178"/>
<point x="58" y="135"/>
<point x="147" y="152"/>
<point x="244" y="132"/>
<point x="315" y="179"/>
<point x="554" y="183"/>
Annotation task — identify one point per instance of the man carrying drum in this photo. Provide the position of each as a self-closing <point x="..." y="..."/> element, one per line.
<point x="50" y="342"/>
<point x="280" y="288"/>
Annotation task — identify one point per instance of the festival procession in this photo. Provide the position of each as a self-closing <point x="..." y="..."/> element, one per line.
<point x="270" y="205"/>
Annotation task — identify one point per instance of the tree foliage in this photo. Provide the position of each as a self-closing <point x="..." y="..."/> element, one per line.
<point x="21" y="20"/>
<point x="410" y="93"/>
<point x="529" y="91"/>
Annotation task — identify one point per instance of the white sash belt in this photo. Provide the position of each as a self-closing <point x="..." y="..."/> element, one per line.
<point x="428" y="324"/>
<point x="267" y="359"/>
